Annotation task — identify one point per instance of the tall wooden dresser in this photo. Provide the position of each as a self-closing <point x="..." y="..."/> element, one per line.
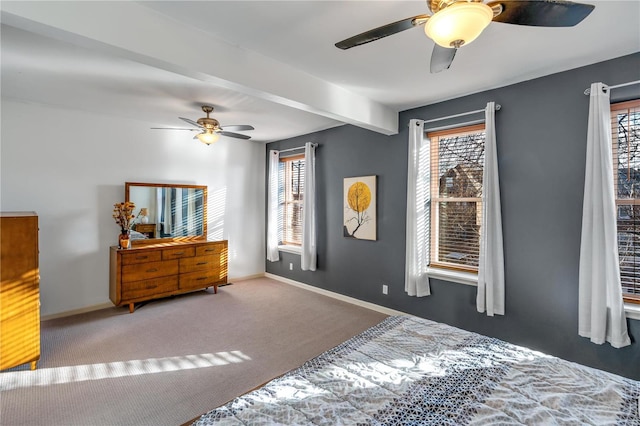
<point x="19" y="290"/>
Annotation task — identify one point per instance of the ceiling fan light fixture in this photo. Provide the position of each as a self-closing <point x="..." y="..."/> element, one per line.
<point x="458" y="24"/>
<point x="208" y="137"/>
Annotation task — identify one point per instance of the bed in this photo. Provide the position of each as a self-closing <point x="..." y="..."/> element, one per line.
<point x="408" y="370"/>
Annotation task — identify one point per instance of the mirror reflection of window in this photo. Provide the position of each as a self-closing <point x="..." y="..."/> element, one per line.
<point x="181" y="213"/>
<point x="170" y="211"/>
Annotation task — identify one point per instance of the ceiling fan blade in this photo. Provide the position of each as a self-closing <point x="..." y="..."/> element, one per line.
<point x="238" y="127"/>
<point x="193" y="123"/>
<point x="173" y="128"/>
<point x="380" y="32"/>
<point x="441" y="58"/>
<point x="234" y="135"/>
<point x="541" y="13"/>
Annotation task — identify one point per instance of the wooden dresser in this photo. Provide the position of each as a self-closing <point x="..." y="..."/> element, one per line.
<point x="152" y="271"/>
<point x="19" y="290"/>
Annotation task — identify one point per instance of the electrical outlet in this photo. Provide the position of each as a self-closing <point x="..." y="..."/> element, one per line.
<point x="385" y="289"/>
<point x="291" y="266"/>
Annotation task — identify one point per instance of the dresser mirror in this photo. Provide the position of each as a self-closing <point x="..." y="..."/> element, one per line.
<point x="167" y="212"/>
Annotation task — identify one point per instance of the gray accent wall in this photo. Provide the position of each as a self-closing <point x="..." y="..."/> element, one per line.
<point x="541" y="136"/>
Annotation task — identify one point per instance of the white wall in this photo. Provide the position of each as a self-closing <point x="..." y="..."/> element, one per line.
<point x="70" y="167"/>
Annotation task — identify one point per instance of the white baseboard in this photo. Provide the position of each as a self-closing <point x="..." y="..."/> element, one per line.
<point x="77" y="311"/>
<point x="338" y="296"/>
<point x="248" y="277"/>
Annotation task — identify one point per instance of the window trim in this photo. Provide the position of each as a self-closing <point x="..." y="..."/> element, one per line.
<point x="290" y="249"/>
<point x="631" y="302"/>
<point x="632" y="311"/>
<point x="439" y="269"/>
<point x="453" y="275"/>
<point x="284" y="245"/>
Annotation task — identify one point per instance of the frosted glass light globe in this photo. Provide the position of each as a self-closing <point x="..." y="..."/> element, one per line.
<point x="458" y="24"/>
<point x="208" y="137"/>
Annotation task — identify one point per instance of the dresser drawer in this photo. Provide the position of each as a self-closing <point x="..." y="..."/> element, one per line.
<point x="178" y="253"/>
<point x="20" y="339"/>
<point x="145" y="271"/>
<point x="141" y="257"/>
<point x="209" y="249"/>
<point x="199" y="263"/>
<point x="149" y="288"/>
<point x="201" y="279"/>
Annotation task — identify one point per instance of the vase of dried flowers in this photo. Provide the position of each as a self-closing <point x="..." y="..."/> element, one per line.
<point x="123" y="239"/>
<point x="123" y="215"/>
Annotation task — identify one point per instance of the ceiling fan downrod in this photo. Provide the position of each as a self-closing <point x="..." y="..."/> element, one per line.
<point x="208" y="123"/>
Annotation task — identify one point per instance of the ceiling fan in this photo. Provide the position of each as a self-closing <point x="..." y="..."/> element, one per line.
<point x="210" y="129"/>
<point x="454" y="23"/>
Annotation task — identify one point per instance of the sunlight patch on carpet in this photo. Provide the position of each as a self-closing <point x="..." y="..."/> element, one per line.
<point x="109" y="370"/>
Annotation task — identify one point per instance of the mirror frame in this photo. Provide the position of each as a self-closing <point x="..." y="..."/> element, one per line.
<point x="127" y="188"/>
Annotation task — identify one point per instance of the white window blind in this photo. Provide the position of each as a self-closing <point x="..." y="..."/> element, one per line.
<point x="625" y="126"/>
<point x="457" y="161"/>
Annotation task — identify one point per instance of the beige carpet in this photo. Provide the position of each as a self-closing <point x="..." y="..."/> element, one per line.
<point x="176" y="358"/>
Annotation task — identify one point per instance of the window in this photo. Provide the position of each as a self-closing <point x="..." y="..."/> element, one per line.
<point x="290" y="196"/>
<point x="457" y="163"/>
<point x="625" y="126"/>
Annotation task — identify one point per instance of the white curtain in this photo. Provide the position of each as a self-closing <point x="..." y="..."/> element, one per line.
<point x="309" y="252"/>
<point x="167" y="221"/>
<point x="490" y="296"/>
<point x="191" y="212"/>
<point x="416" y="281"/>
<point x="600" y="305"/>
<point x="272" y="207"/>
<point x="160" y="208"/>
<point x="178" y="221"/>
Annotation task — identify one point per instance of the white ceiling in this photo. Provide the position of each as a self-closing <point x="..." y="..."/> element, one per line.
<point x="273" y="64"/>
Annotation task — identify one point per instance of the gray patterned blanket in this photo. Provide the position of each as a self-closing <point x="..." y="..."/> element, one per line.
<point x="412" y="371"/>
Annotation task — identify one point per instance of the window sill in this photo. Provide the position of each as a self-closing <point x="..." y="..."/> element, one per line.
<point x="454" y="276"/>
<point x="290" y="249"/>
<point x="632" y="311"/>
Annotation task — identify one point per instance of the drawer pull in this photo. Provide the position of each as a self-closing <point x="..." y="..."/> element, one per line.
<point x="152" y="270"/>
<point x="141" y="257"/>
<point x="202" y="263"/>
<point x="201" y="278"/>
<point x="178" y="254"/>
<point x="210" y="250"/>
<point x="151" y="286"/>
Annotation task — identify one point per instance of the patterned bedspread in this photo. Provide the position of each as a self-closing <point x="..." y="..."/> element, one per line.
<point x="408" y="370"/>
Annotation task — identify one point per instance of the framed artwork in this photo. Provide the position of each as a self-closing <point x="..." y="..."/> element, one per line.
<point x="360" y="208"/>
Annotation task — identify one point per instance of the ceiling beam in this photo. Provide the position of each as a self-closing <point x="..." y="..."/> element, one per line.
<point x="132" y="31"/>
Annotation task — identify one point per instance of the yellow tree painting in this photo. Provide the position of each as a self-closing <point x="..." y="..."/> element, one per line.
<point x="360" y="208"/>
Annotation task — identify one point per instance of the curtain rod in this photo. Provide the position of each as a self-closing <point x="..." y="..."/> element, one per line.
<point x="297" y="148"/>
<point x="587" y="91"/>
<point x="459" y="115"/>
